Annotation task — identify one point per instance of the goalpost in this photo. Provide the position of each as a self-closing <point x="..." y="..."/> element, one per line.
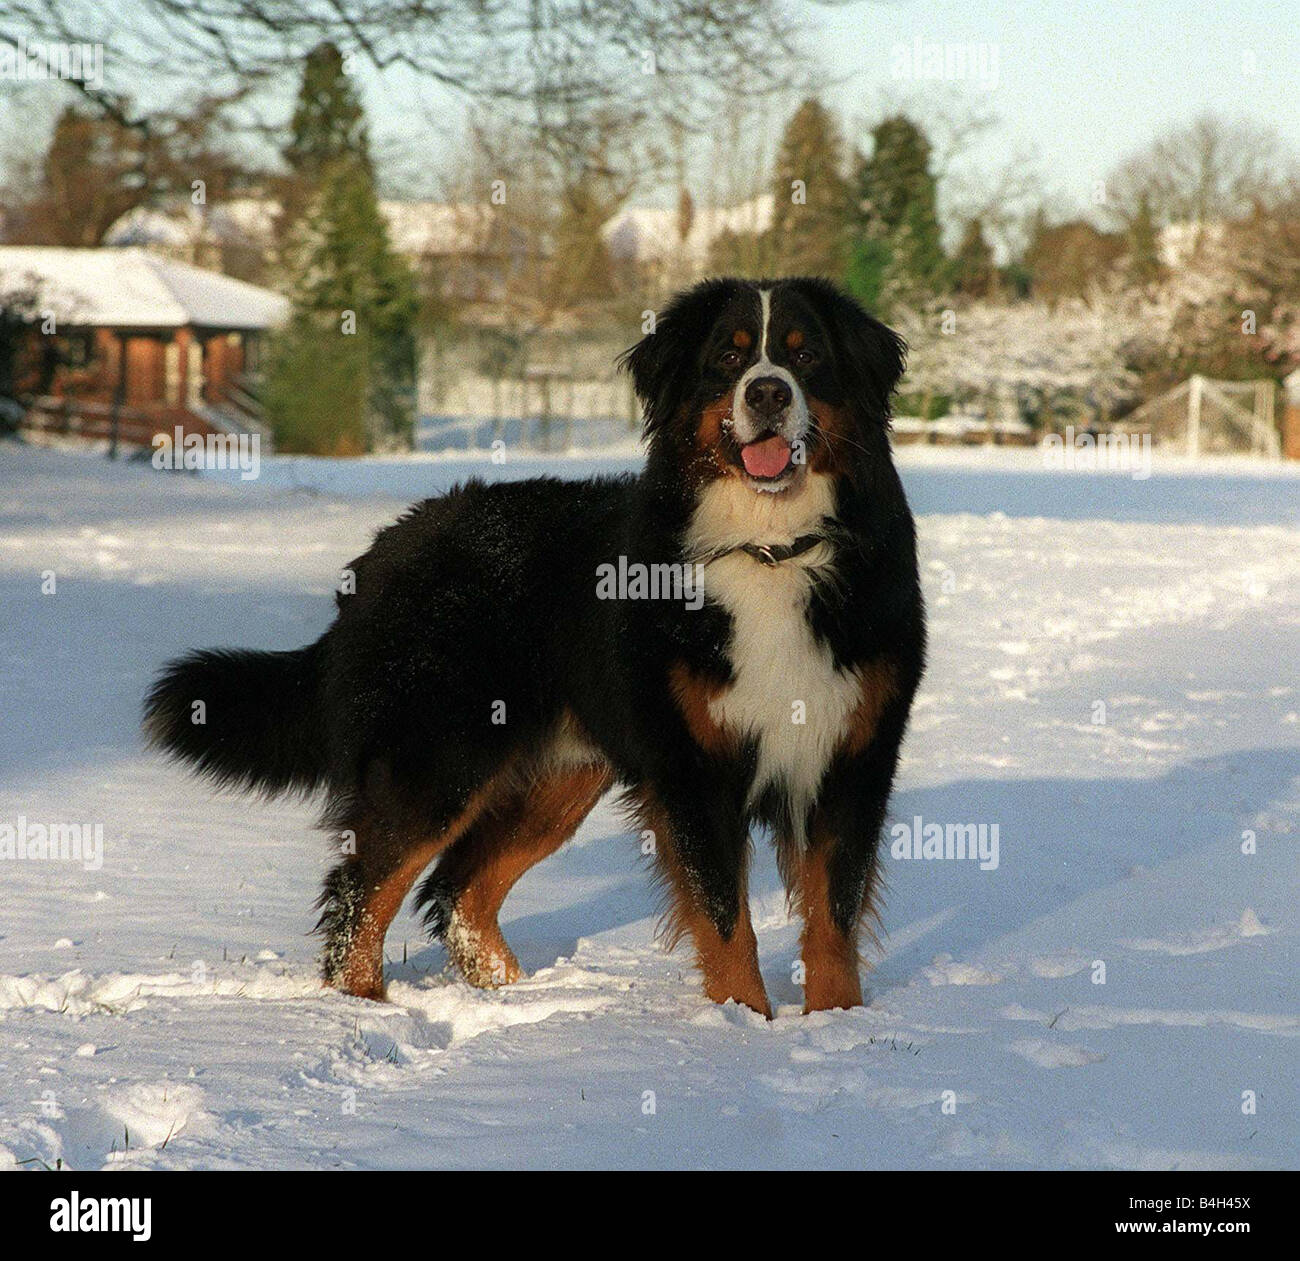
<point x="1205" y="416"/>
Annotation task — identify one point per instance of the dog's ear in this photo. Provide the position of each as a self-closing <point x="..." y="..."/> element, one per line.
<point x="870" y="356"/>
<point x="658" y="373"/>
<point x="664" y="364"/>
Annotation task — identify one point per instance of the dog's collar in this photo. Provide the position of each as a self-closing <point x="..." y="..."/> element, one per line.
<point x="771" y="553"/>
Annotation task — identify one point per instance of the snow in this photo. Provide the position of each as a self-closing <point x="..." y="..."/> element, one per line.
<point x="1113" y="684"/>
<point x="134" y="288"/>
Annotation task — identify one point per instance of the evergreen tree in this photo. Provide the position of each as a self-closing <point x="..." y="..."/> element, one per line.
<point x="811" y="204"/>
<point x="973" y="272"/>
<point x="869" y="268"/>
<point x="342" y="374"/>
<point x="898" y="252"/>
<point x="329" y="120"/>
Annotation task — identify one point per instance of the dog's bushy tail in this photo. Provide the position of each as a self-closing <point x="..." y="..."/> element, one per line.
<point x="242" y="719"/>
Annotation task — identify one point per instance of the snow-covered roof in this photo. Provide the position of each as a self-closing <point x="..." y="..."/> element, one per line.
<point x="133" y="288"/>
<point x="181" y="225"/>
<point x="652" y="233"/>
<point x="419" y="228"/>
<point x="639" y="233"/>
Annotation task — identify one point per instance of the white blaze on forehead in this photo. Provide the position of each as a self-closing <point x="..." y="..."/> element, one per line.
<point x="764" y="322"/>
<point x="794" y="420"/>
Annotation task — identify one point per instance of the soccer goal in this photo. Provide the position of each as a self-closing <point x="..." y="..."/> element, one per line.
<point x="1204" y="416"/>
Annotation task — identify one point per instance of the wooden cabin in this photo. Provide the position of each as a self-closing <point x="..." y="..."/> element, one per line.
<point x="124" y="343"/>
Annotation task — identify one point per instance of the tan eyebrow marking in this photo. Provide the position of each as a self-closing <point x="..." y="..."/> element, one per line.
<point x="741" y="339"/>
<point x="793" y="339"/>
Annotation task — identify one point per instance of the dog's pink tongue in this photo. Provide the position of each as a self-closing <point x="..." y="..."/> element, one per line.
<point x="768" y="458"/>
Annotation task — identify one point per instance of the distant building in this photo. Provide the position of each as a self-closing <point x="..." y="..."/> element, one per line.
<point x="131" y="340"/>
<point x="471" y="251"/>
<point x="236" y="237"/>
<point x="652" y="237"/>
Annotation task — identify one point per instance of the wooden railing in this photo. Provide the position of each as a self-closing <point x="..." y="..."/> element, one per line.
<point x="125" y="425"/>
<point x="244" y="393"/>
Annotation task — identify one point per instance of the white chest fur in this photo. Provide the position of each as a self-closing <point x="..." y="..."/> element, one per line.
<point x="787" y="693"/>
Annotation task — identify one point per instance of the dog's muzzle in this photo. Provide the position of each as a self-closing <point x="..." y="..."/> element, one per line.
<point x="770" y="416"/>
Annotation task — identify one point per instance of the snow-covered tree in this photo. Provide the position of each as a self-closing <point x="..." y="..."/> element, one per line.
<point x="1029" y="356"/>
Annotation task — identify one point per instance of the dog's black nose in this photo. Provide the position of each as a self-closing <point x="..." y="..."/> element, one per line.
<point x="767" y="395"/>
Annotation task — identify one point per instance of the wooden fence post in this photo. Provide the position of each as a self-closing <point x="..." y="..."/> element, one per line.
<point x="1194" y="416"/>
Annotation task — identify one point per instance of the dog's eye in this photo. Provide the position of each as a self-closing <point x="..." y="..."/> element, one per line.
<point x="730" y="359"/>
<point x="803" y="358"/>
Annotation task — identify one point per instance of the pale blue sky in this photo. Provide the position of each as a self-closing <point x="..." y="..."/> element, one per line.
<point x="1084" y="84"/>
<point x="1078" y="85"/>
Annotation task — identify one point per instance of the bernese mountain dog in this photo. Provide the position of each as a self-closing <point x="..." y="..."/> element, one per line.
<point x="734" y="636"/>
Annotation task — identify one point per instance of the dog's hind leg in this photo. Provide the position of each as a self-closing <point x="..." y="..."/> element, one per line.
<point x="465" y="892"/>
<point x="365" y="891"/>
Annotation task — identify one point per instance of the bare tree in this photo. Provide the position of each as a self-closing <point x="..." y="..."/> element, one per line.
<point x="737" y="181"/>
<point x="530" y="222"/>
<point x="547" y="66"/>
<point x="1208" y="170"/>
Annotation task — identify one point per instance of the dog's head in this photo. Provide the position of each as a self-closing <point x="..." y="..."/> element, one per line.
<point x="765" y="381"/>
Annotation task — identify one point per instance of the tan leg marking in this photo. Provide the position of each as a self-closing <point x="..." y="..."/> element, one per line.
<point x="728" y="965"/>
<point x="507" y="840"/>
<point x="362" y="972"/>
<point x="830" y="957"/>
<point x="694" y="695"/>
<point x="388" y="865"/>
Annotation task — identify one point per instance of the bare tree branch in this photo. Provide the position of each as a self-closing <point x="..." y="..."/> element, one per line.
<point x="539" y="64"/>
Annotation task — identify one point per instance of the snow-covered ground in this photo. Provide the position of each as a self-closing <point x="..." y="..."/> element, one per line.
<point x="1114" y="684"/>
